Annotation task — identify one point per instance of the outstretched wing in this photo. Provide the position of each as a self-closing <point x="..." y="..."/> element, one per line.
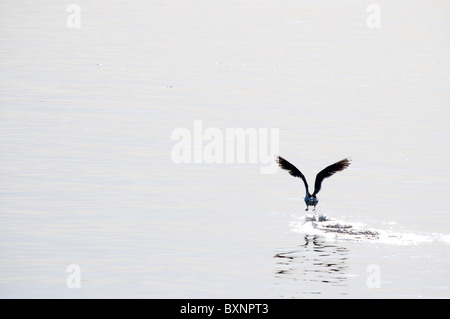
<point x="292" y="170"/>
<point x="329" y="171"/>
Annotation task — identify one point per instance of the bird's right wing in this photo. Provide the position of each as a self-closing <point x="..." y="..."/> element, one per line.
<point x="292" y="170"/>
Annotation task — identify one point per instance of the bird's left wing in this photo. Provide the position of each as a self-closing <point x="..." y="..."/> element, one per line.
<point x="329" y="171"/>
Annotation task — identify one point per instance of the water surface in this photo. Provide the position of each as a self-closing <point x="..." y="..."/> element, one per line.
<point x="87" y="177"/>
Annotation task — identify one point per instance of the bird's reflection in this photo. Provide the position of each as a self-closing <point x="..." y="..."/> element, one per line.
<point x="315" y="266"/>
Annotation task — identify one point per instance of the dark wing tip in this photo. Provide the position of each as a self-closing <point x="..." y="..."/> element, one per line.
<point x="279" y="159"/>
<point x="345" y="162"/>
<point x="284" y="164"/>
<point x="338" y="166"/>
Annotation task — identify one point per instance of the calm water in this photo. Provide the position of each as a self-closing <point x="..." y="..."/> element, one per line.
<point x="88" y="179"/>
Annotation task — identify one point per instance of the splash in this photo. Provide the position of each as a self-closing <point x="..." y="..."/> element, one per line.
<point x="336" y="229"/>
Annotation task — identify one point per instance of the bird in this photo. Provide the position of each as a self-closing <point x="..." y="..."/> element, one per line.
<point x="311" y="199"/>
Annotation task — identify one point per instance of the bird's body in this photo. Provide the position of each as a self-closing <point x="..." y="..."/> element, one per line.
<point x="311" y="199"/>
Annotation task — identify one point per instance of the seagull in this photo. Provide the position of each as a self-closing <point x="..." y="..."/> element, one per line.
<point x="311" y="200"/>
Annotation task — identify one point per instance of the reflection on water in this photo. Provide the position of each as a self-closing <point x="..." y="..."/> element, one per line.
<point x="317" y="265"/>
